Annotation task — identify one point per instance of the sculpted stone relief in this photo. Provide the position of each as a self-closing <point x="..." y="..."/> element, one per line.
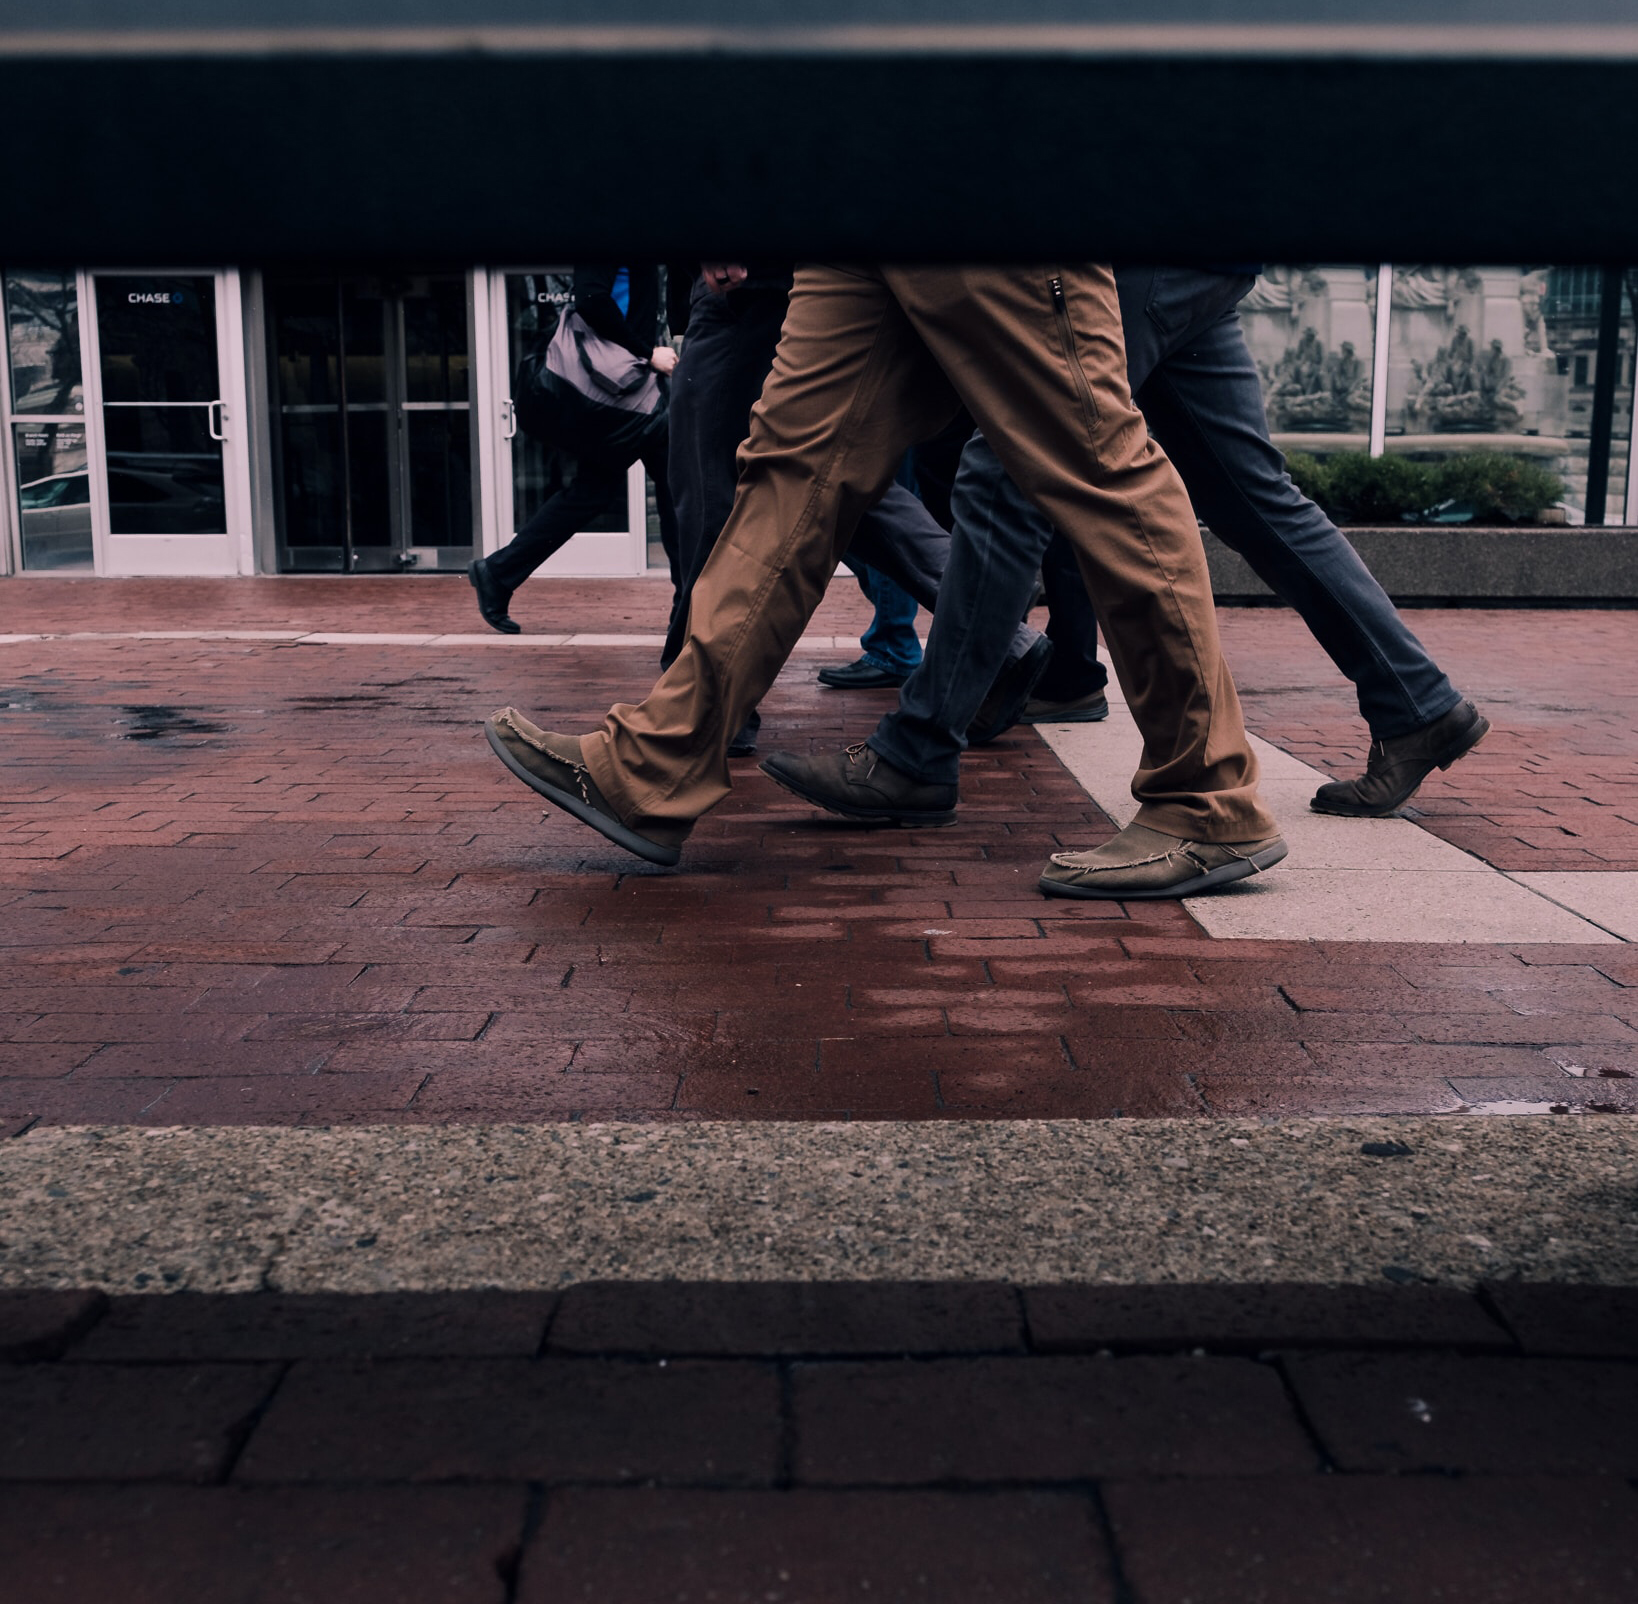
<point x="1468" y="351"/>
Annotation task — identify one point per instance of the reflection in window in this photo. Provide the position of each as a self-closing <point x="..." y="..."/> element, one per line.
<point x="43" y="335"/>
<point x="1312" y="331"/>
<point x="1494" y="360"/>
<point x="53" y="495"/>
<point x="164" y="472"/>
<point x="436" y="367"/>
<point x="534" y="302"/>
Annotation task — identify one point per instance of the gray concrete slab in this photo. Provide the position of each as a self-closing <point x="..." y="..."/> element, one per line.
<point x="1123" y="1201"/>
<point x="1345" y="879"/>
<point x="1610" y="900"/>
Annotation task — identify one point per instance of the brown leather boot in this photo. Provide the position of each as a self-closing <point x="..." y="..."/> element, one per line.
<point x="1397" y="766"/>
<point x="860" y="783"/>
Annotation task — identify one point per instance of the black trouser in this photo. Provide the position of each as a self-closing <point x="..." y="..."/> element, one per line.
<point x="599" y="484"/>
<point x="1072" y="627"/>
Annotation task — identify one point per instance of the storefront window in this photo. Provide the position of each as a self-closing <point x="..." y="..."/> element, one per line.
<point x="53" y="495"/>
<point x="1490" y="376"/>
<point x="1312" y="331"/>
<point x="43" y="339"/>
<point x="47" y="419"/>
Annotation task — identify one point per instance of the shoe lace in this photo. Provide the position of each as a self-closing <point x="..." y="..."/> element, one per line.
<point x="856" y="752"/>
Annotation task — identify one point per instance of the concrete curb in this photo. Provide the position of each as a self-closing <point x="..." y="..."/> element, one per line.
<point x="1445" y="1200"/>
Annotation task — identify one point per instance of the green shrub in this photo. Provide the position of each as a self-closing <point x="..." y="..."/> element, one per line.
<point x="1498" y="488"/>
<point x="1309" y="475"/>
<point x="1368" y="490"/>
<point x="1475" y="486"/>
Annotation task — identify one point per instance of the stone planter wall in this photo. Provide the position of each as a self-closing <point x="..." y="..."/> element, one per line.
<point x="1456" y="565"/>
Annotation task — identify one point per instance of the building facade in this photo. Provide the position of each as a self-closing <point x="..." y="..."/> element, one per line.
<point x="231" y="422"/>
<point x="227" y="421"/>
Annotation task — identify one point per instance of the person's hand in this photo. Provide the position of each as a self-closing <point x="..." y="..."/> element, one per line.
<point x="720" y="277"/>
<point x="663" y="360"/>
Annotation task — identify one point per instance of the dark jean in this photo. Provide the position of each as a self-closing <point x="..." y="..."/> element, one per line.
<point x="1198" y="386"/>
<point x="891" y="641"/>
<point x="599" y="484"/>
<point x="726" y="357"/>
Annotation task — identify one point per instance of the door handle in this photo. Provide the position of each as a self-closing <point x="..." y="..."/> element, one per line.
<point x="509" y="411"/>
<point x="216" y="420"/>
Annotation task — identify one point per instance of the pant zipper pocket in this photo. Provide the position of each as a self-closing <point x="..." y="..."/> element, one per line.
<point x="1072" y="355"/>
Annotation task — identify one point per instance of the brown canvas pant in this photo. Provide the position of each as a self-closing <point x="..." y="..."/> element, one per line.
<point x="872" y="360"/>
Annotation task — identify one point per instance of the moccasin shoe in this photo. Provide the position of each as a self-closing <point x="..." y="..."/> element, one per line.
<point x="1093" y="708"/>
<point x="550" y="764"/>
<point x="1397" y="766"/>
<point x="1144" y="865"/>
<point x="859" y="783"/>
<point x="1006" y="699"/>
<point x="493" y="598"/>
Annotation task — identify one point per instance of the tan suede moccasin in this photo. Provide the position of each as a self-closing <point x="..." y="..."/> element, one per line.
<point x="1144" y="865"/>
<point x="550" y="764"/>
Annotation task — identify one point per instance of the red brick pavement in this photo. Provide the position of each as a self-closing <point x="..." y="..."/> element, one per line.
<point x="1555" y="783"/>
<point x="246" y="881"/>
<point x="633" y="1443"/>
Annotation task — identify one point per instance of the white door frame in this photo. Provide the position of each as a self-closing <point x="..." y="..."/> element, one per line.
<point x="607" y="554"/>
<point x="222" y="554"/>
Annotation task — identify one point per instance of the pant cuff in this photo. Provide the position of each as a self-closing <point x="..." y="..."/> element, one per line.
<point x="941" y="770"/>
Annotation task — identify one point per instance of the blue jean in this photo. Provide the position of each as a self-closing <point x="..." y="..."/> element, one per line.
<point x="1198" y="386"/>
<point x="891" y="641"/>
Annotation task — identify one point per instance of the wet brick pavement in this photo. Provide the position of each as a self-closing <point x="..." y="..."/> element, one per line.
<point x="247" y="881"/>
<point x="259" y="882"/>
<point x="633" y="1444"/>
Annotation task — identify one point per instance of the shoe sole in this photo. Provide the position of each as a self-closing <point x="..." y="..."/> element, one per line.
<point x="1224" y="874"/>
<point x="1475" y="734"/>
<point x="500" y="629"/>
<point x="638" y="846"/>
<point x="1096" y="717"/>
<point x="919" y="821"/>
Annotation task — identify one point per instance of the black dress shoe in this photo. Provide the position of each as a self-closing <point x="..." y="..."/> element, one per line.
<point x="493" y="598"/>
<point x="1399" y="764"/>
<point x="863" y="675"/>
<point x="1003" y="706"/>
<point x="859" y="783"/>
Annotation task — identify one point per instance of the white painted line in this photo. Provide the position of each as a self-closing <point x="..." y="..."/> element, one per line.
<point x="1610" y="900"/>
<point x="211" y="634"/>
<point x="492" y="639"/>
<point x="340" y="637"/>
<point x="1346" y="879"/>
<point x="578" y="639"/>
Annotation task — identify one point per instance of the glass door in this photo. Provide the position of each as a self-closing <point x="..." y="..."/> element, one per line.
<point x="170" y="481"/>
<point x="524" y="309"/>
<point x="44" y="417"/>
<point x="373" y="445"/>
